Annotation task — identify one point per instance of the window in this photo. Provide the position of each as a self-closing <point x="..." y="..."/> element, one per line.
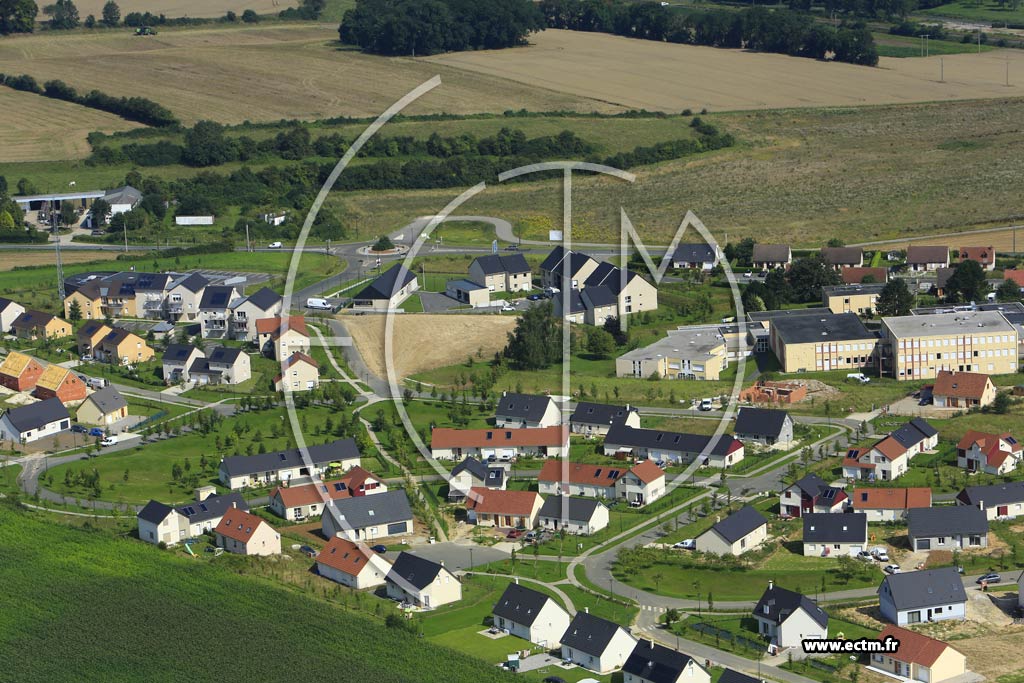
<point x="942" y="540"/>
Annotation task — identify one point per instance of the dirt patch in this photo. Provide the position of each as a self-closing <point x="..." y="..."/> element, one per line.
<point x="425" y="342"/>
<point x="9" y="260"/>
<point x="994" y="654"/>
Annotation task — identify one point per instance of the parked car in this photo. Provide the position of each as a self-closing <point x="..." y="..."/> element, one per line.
<point x="379" y="548"/>
<point x="514" y="534"/>
<point x="865" y="555"/>
<point x="87" y="357"/>
<point x="512" y="247"/>
<point x="96" y="431"/>
<point x="534" y="297"/>
<point x="97" y="382"/>
<point x="880" y="554"/>
<point x="274" y="245"/>
<point x="508" y="308"/>
<point x="79" y="429"/>
<point x="989" y="578"/>
<point x="705" y="404"/>
<point x="688" y="544"/>
<point x="892" y="569"/>
<point x="859" y="376"/>
<point x="108" y="441"/>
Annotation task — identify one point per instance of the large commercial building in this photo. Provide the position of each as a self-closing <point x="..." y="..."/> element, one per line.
<point x="699" y="353"/>
<point x="855" y="298"/>
<point x="919" y="346"/>
<point x="832" y="342"/>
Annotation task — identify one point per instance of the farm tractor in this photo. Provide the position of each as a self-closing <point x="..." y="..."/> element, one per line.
<point x="145" y="31"/>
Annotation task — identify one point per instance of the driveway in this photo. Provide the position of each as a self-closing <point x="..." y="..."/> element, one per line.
<point x="436" y="302"/>
<point x="456" y="555"/>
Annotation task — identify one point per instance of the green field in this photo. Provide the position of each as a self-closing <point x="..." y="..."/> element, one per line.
<point x="907" y="46"/>
<point x="117" y="609"/>
<point x="982" y="10"/>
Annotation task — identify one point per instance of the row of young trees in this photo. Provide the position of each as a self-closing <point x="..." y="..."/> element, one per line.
<point x="424" y="27"/>
<point x="755" y="28"/>
<point x="132" y="108"/>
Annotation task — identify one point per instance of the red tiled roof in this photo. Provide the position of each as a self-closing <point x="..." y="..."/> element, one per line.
<point x="274" y="326"/>
<point x="892" y="499"/>
<point x="890" y="448"/>
<point x="345" y="556"/>
<point x="307" y="494"/>
<point x="493" y="502"/>
<point x="238" y="525"/>
<point x="914" y="647"/>
<point x="646" y="471"/>
<point x="849" y="461"/>
<point x="990" y="445"/>
<point x="960" y="384"/>
<point x="444" y="437"/>
<point x="854" y="275"/>
<point x="1015" y="275"/>
<point x="983" y="255"/>
<point x="296" y="357"/>
<point x="578" y="473"/>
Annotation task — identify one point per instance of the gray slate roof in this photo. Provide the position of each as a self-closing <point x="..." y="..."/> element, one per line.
<point x="387" y="284"/>
<point x="217" y="297"/>
<point x="599" y="413"/>
<point x="523" y="406"/>
<point x="413" y="569"/>
<point x="739" y="524"/>
<point x="215" y="506"/>
<point x="154" y="512"/>
<point x="731" y="676"/>
<point x="193" y="282"/>
<point x="123" y="195"/>
<point x="914" y="432"/>
<point x="589" y="634"/>
<point x="781" y="602"/>
<point x="579" y="509"/>
<point x="926" y="588"/>
<point x="595" y="297"/>
<point x="108" y="400"/>
<point x="656" y="663"/>
<point x="994" y="495"/>
<point x="340" y="450"/>
<point x="36" y="415"/>
<point x="811" y="484"/>
<point x="492" y="264"/>
<point x="806" y="329"/>
<point x="771" y="253"/>
<point x="362" y="511"/>
<point x="827" y="527"/>
<point x="694" y="253"/>
<point x="178" y="353"/>
<point x="520" y="604"/>
<point x="944" y="521"/>
<point x="760" y="421"/>
<point x="623" y="435"/>
<point x="224" y="354"/>
<point x="264" y="299"/>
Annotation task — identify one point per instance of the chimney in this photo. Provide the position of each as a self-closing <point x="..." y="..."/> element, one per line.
<point x="981" y="505"/>
<point x="234" y="504"/>
<point x="771" y="584"/>
<point x="587" y="610"/>
<point x="442" y="563"/>
<point x="517" y="580"/>
<point x="651" y="641"/>
<point x="718" y="518"/>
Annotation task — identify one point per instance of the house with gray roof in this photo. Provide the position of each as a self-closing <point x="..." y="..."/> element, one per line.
<point x="596" y="290"/>
<point x="788" y="618"/>
<point x="699" y="256"/>
<point x="177" y="361"/>
<point x="742" y="531"/>
<point x="998" y="501"/>
<point x="102" y="408"/>
<point x="843" y="257"/>
<point x="766" y="426"/>
<point x="650" y="662"/>
<point x="561" y="264"/>
<point x="9" y="312"/>
<point x="573" y="515"/>
<point x="160" y="523"/>
<point x="530" y="615"/>
<point x="526" y="411"/>
<point x="34" y="421"/>
<point x="673" y="447"/>
<point x="223" y="365"/>
<point x="947" y="528"/>
<point x="421" y="582"/>
<point x="834" y="535"/>
<point x="596" y="644"/>
<point x="183" y="297"/>
<point x="264" y="303"/>
<point x="367" y="518"/>
<point x="498" y="273"/>
<point x="771" y="256"/>
<point x="387" y="291"/>
<point x="215" y="311"/>
<point x="244" y="471"/>
<point x="471" y="473"/>
<point x="122" y="199"/>
<point x="923" y="596"/>
<point x="595" y="419"/>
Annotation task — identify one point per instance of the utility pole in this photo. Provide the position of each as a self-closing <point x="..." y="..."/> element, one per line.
<point x="942" y="71"/>
<point x="60" y="263"/>
<point x="248" y="247"/>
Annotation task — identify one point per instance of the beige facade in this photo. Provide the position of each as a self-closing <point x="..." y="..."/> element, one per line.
<point x="859" y="299"/>
<point x="91" y="308"/>
<point x="126" y="349"/>
<point x="918" y="347"/>
<point x="300" y="375"/>
<point x="711" y="542"/>
<point x="91" y="414"/>
<point x="699" y="353"/>
<point x="817" y="356"/>
<point x="444" y="589"/>
<point x="638" y="295"/>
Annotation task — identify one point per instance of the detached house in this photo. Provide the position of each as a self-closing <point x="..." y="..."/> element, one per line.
<point x="90" y="335"/>
<point x="122" y="347"/>
<point x="34" y="421"/>
<point x="990" y="453"/>
<point x="764" y="425"/>
<point x="919" y="658"/>
<point x="9" y="312"/>
<point x="506" y="509"/>
<point x="34" y="325"/>
<point x="923" y="596"/>
<point x="653" y="663"/>
<point x="501" y="444"/>
<point x="367" y="518"/>
<point x="698" y="256"/>
<point x="985" y="256"/>
<point x="388" y="291"/>
<point x="298" y="373"/>
<point x="19" y="372"/>
<point x="530" y="615"/>
<point x="351" y="564"/>
<point x="857" y="276"/>
<point x="246" y="311"/>
<point x="243" y="471"/>
<point x="828" y="535"/>
<point x="947" y="528"/>
<point x="279" y="338"/>
<point x="998" y="501"/>
<point x="103" y="408"/>
<point x="525" y="410"/>
<point x="962" y="390"/>
<point x="890" y="457"/>
<point x="788" y="618"/>
<point x="215" y="310"/>
<point x="742" y="531"/>
<point x="472" y="473"/>
<point x="639" y="485"/>
<point x="159" y="523"/>
<point x="243" y="533"/>
<point x="60" y="383"/>
<point x="297" y="503"/>
<point x="923" y="258"/>
<point x="561" y="263"/>
<point x="224" y="365"/>
<point x="772" y="256"/>
<point x="596" y="644"/>
<point x="422" y="583"/>
<point x="889" y="504"/>
<point x="497" y="273"/>
<point x="842" y="257"/>
<point x="573" y="515"/>
<point x="595" y="419"/>
<point x="810" y="494"/>
<point x="183" y="297"/>
<point x="177" y="360"/>
<point x="661" y="446"/>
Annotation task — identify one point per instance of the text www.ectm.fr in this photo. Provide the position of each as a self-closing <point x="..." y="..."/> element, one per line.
<point x="837" y="646"/>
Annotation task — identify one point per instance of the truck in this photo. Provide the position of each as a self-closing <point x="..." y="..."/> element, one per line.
<point x="109" y="440"/>
<point x="319" y="304"/>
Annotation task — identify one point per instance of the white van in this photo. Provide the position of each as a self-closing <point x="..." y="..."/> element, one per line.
<point x="97" y="382"/>
<point x="705" y="404"/>
<point x="859" y="376"/>
<point x="109" y="440"/>
<point x="320" y="304"/>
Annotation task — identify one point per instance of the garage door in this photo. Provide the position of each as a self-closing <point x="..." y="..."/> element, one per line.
<point x="506" y="453"/>
<point x="397" y="528"/>
<point x="924" y="544"/>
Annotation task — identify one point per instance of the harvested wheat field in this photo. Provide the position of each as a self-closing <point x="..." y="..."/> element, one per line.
<point x="641" y="74"/>
<point x="262" y="74"/>
<point x="181" y="8"/>
<point x="1002" y="240"/>
<point x="424" y="342"/>
<point x="9" y="260"/>
<point x="37" y="127"/>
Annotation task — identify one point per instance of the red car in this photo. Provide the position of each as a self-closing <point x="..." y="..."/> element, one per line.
<point x="515" y="533"/>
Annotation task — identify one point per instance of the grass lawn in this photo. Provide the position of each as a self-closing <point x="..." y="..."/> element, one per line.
<point x="525" y="566"/>
<point x="889" y="45"/>
<point x="988" y="10"/>
<point x="612" y="610"/>
<point x="9" y="478"/>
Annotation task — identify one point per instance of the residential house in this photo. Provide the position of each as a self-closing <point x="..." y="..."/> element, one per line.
<point x="499" y="444"/>
<point x="742" y="531"/>
<point x="942" y="276"/>
<point x="698" y="256"/>
<point x="243" y="471"/>
<point x="244" y="533"/>
<point x="34" y="325"/>
<point x="990" y="453"/>
<point x="947" y="528"/>
<point x="34" y="421"/>
<point x="367" y="518"/>
<point x="890" y="457"/>
<point x="246" y="311"/>
<point x="923" y="596"/>
<point x="122" y="199"/>
<point x="9" y="312"/>
<point x="301" y="501"/>
<point x="919" y="658"/>
<point x="650" y="662"/>
<point x="215" y="311"/>
<point x="661" y="446"/>
<point x="123" y="347"/>
<point x="857" y="276"/>
<point x="160" y="523"/>
<point x="351" y="564"/>
<point x="573" y="515"/>
<point x="177" y="360"/>
<point x="298" y="373"/>
<point x="772" y="256"/>
<point x="766" y="426"/>
<point x="610" y="291"/>
<point x="700" y="353"/>
<point x="594" y="419"/>
<point x="530" y="615"/>
<point x="224" y="365"/>
<point x="829" y="535"/>
<point x="61" y="383"/>
<point x="810" y="494"/>
<point x="998" y="501"/>
<point x="575" y="311"/>
<point x="638" y="485"/>
<point x="924" y="258"/>
<point x="921" y="346"/>
<point x="496" y="273"/>
<point x="422" y="583"/>
<point x="985" y="256"/>
<point x="279" y="338"/>
<point x="184" y="295"/>
<point x="388" y="291"/>
<point x="525" y="410"/>
<point x="842" y="257"/>
<point x="103" y="408"/>
<point x="962" y="390"/>
<point x="733" y="676"/>
<point x="788" y="618"/>
<point x="19" y="372"/>
<point x="822" y="342"/>
<point x="90" y="335"/>
<point x="889" y="504"/>
<point x="467" y="292"/>
<point x="596" y="644"/>
<point x="858" y="298"/>
<point x="500" y="508"/>
<point x="472" y="473"/>
<point x="561" y="264"/>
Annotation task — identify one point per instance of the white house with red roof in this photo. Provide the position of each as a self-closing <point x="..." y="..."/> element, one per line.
<point x="989" y="453"/>
<point x="246" y="534"/>
<point x="954" y="389"/>
<point x="507" y="509"/>
<point x="296" y="503"/>
<point x="918" y="658"/>
<point x="889" y="504"/>
<point x="889" y="458"/>
<point x="299" y="373"/>
<point x="810" y="494"/>
<point x="351" y="564"/>
<point x="503" y="444"/>
<point x="639" y="484"/>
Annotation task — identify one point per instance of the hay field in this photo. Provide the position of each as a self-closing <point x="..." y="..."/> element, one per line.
<point x="424" y="342"/>
<point x="263" y="74"/>
<point x="1003" y="240"/>
<point x="9" y="260"/>
<point x="37" y="127"/>
<point x="181" y="8"/>
<point x="667" y="77"/>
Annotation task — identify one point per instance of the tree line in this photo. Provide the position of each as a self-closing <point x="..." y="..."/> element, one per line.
<point x="755" y="28"/>
<point x="424" y="27"/>
<point x="138" y="109"/>
<point x="12" y="218"/>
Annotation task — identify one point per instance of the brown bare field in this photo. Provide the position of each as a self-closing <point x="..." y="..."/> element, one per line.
<point x="9" y="260"/>
<point x="994" y="654"/>
<point x="263" y="74"/>
<point x="1000" y="240"/>
<point x="181" y="8"/>
<point x="424" y="342"/>
<point x="657" y="76"/>
<point x="37" y="127"/>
